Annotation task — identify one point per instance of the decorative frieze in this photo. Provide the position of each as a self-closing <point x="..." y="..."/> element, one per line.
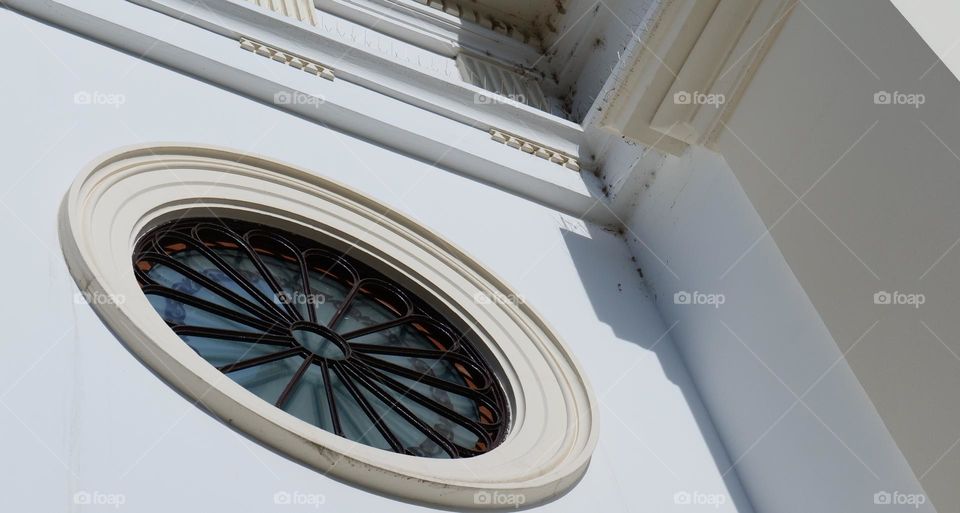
<point x="302" y="10"/>
<point x="296" y="61"/>
<point x="503" y="81"/>
<point x="527" y="146"/>
<point x="473" y="12"/>
<point x="400" y="52"/>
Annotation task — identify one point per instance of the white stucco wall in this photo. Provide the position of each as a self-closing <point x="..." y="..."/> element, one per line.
<point x="79" y="413"/>
<point x="878" y="213"/>
<point x="801" y="431"/>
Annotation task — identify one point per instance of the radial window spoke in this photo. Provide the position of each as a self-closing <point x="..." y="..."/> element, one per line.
<point x="435" y="407"/>
<point x="286" y="267"/>
<point x="222" y="352"/>
<point x="374" y="302"/>
<point x="236" y="253"/>
<point x="331" y="279"/>
<point x="212" y="286"/>
<point x="178" y="308"/>
<point x="269" y="379"/>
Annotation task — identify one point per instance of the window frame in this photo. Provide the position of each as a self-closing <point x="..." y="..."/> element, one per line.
<point x="127" y="193"/>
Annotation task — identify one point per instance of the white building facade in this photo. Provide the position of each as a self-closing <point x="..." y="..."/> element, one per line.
<point x="704" y="248"/>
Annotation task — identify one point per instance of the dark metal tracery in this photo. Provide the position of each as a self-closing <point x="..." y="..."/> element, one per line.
<point x="323" y="336"/>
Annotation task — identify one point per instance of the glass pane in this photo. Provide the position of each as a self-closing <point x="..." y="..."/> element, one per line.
<point x="449" y="429"/>
<point x="329" y="285"/>
<point x="456" y="402"/>
<point x="269" y="379"/>
<point x="179" y="313"/>
<point x="236" y="257"/>
<point x="355" y="423"/>
<point x="201" y="264"/>
<point x="287" y="274"/>
<point x="240" y="261"/>
<point x="220" y="352"/>
<point x="371" y="306"/>
<point x="435" y="367"/>
<point x="308" y="401"/>
<point x="407" y="335"/>
<point x="409" y="435"/>
<point x="173" y="279"/>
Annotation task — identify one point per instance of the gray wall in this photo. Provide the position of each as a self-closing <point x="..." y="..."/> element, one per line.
<point x="881" y="212"/>
<point x="801" y="432"/>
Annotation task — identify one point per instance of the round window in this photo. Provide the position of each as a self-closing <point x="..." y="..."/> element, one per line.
<point x="322" y="336"/>
<point x="328" y="326"/>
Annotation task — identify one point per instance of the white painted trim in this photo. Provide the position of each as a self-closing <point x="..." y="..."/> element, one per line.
<point x="437" y="138"/>
<point x="553" y="430"/>
<point x="301" y="10"/>
<point x="432" y="29"/>
<point x="704" y="49"/>
<point x="377" y="62"/>
<point x="702" y="65"/>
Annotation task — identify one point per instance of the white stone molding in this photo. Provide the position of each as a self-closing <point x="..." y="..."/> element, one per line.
<point x="446" y="32"/>
<point x="371" y="59"/>
<point x="302" y="10"/>
<point x="502" y="81"/>
<point x="527" y="146"/>
<point x="296" y="61"/>
<point x="474" y="12"/>
<point x="676" y="85"/>
<point x="553" y="412"/>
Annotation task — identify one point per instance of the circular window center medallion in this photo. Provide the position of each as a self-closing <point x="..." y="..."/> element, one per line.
<point x="321" y="342"/>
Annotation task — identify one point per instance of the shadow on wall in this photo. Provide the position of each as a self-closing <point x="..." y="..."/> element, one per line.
<point x="621" y="307"/>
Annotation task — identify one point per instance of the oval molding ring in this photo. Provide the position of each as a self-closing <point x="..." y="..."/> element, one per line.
<point x="553" y="412"/>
